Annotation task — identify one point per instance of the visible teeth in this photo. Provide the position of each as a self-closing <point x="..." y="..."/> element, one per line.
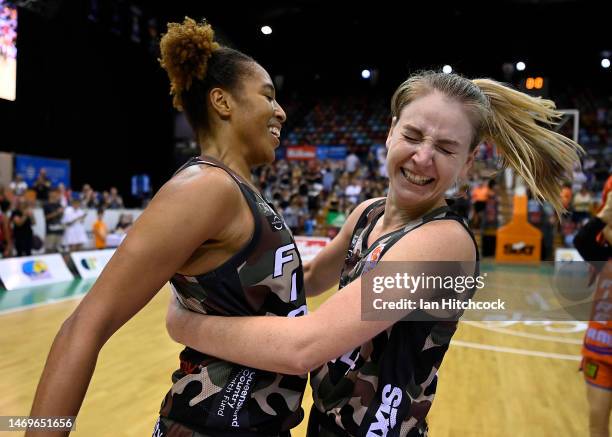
<point x="274" y="131"/>
<point x="416" y="179"/>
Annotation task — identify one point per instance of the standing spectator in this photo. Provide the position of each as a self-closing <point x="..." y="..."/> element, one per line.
<point x="114" y="201"/>
<point x="42" y="185"/>
<point x="352" y="163"/>
<point x="18" y="186"/>
<point x="54" y="211"/>
<point x="582" y="205"/>
<point x="22" y="219"/>
<point x="74" y="234"/>
<point x="329" y="178"/>
<point x="64" y="195"/>
<point x="353" y="190"/>
<point x="6" y="236"/>
<point x="480" y="195"/>
<point x="89" y="199"/>
<point x="100" y="230"/>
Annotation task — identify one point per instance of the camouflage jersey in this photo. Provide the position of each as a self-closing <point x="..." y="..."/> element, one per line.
<point x="386" y="386"/>
<point x="213" y="397"/>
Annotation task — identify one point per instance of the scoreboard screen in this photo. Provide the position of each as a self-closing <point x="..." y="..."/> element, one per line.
<point x="8" y="50"/>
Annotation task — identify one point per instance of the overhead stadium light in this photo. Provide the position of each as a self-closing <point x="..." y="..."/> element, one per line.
<point x="520" y="66"/>
<point x="447" y="69"/>
<point x="266" y="30"/>
<point x="366" y="74"/>
<point x="605" y="63"/>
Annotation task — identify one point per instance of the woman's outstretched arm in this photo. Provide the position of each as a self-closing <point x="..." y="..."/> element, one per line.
<point x="298" y="345"/>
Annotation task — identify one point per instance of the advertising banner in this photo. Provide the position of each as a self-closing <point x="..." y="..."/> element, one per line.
<point x="30" y="271"/>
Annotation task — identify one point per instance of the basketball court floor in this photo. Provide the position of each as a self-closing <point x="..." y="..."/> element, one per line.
<point x="498" y="379"/>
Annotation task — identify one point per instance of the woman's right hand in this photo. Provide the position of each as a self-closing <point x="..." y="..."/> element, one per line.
<point x="177" y="317"/>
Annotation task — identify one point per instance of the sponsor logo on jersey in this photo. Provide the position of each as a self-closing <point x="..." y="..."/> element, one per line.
<point x="276" y="222"/>
<point x="386" y="415"/>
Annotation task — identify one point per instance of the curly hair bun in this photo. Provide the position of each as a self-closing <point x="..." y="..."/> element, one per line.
<point x="185" y="51"/>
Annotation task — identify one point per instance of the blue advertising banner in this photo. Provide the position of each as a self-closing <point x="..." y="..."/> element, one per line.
<point x="58" y="170"/>
<point x="331" y="152"/>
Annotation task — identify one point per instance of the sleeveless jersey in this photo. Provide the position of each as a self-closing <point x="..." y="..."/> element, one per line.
<point x="598" y="338"/>
<point x="386" y="386"/>
<point x="265" y="277"/>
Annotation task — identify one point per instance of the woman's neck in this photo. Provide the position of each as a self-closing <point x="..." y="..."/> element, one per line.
<point x="396" y="217"/>
<point x="235" y="161"/>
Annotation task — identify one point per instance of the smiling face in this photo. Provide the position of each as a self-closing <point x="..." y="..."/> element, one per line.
<point x="257" y="116"/>
<point x="428" y="149"/>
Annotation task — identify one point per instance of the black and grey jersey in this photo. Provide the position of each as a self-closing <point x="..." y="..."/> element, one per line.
<point x="386" y="386"/>
<point x="265" y="277"/>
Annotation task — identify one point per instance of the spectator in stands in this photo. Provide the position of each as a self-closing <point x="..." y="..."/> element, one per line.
<point x="6" y="235"/>
<point x="53" y="211"/>
<point x="89" y="198"/>
<point x="100" y="230"/>
<point x="352" y="163"/>
<point x="480" y="195"/>
<point x="567" y="196"/>
<point x="18" y="186"/>
<point x="42" y="185"/>
<point x="115" y="201"/>
<point x="22" y="220"/>
<point x="64" y="195"/>
<point x="75" y="236"/>
<point x="581" y="205"/>
<point x="353" y="190"/>
<point x="329" y="177"/>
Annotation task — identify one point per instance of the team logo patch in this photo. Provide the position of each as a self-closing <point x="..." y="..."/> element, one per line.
<point x="276" y="223"/>
<point x="374" y="256"/>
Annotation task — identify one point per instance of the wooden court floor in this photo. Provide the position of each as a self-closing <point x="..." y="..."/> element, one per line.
<point x="498" y="380"/>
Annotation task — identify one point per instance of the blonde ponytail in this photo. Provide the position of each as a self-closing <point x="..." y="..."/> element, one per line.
<point x="520" y="126"/>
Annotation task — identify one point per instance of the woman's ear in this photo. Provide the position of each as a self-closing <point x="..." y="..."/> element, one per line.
<point x="220" y="102"/>
<point x="463" y="174"/>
